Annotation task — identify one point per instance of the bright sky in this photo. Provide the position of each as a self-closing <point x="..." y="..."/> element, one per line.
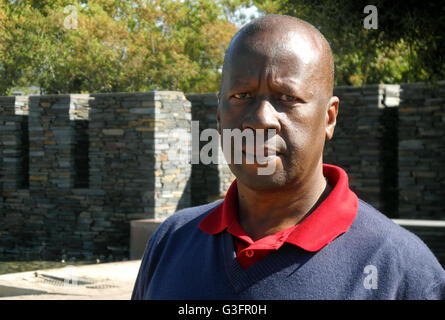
<point x="248" y="12"/>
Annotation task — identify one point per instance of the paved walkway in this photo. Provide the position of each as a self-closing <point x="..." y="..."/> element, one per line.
<point x="105" y="281"/>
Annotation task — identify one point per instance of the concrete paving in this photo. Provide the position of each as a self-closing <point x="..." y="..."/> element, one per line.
<point x="105" y="281"/>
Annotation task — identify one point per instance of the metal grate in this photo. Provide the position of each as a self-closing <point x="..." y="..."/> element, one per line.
<point x="75" y="281"/>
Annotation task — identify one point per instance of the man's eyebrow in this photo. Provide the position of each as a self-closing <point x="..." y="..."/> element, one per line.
<point x="290" y="86"/>
<point x="287" y="84"/>
<point x="240" y="84"/>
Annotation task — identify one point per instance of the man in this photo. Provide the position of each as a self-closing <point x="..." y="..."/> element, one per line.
<point x="300" y="232"/>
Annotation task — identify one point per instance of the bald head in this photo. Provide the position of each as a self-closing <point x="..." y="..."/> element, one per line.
<point x="277" y="35"/>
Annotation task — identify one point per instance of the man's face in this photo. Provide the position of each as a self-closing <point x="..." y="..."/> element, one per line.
<point x="276" y="85"/>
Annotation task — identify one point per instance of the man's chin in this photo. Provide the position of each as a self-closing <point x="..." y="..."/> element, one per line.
<point x="250" y="176"/>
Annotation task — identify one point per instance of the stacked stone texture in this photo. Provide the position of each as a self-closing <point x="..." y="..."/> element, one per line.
<point x="11" y="165"/>
<point x="52" y="225"/>
<point x="209" y="181"/>
<point x="135" y="147"/>
<point x="355" y="145"/>
<point x="139" y="167"/>
<point x="12" y="136"/>
<point x="51" y="142"/>
<point x="76" y="169"/>
<point x="172" y="142"/>
<point x="421" y="151"/>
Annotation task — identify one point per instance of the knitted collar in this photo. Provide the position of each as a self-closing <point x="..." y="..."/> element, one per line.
<point x="331" y="218"/>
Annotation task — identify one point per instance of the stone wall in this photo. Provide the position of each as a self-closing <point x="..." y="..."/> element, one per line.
<point x="96" y="162"/>
<point x="13" y="162"/>
<point x="364" y="145"/>
<point x="13" y="143"/>
<point x="209" y="181"/>
<point x="77" y="169"/>
<point x="421" y="151"/>
<point x="355" y="144"/>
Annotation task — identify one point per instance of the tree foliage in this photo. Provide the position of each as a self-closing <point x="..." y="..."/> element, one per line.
<point x="118" y="45"/>
<point x="407" y="46"/>
<point x="142" y="45"/>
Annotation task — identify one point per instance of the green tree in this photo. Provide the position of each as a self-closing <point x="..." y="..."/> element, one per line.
<point x="118" y="45"/>
<point x="407" y="46"/>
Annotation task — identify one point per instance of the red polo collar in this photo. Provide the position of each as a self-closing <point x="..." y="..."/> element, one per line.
<point x="331" y="218"/>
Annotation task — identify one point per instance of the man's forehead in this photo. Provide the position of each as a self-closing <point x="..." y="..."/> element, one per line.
<point x="282" y="45"/>
<point x="285" y="58"/>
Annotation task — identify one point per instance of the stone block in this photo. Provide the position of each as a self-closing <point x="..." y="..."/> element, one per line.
<point x="140" y="232"/>
<point x="113" y="132"/>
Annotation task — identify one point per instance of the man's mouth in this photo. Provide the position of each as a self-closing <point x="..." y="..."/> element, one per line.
<point x="266" y="156"/>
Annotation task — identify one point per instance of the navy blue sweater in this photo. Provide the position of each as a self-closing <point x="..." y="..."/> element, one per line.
<point x="374" y="259"/>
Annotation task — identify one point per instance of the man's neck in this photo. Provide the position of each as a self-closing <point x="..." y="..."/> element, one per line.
<point x="263" y="213"/>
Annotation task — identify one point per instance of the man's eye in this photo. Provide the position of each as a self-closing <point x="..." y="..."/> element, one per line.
<point x="288" y="98"/>
<point x="242" y="95"/>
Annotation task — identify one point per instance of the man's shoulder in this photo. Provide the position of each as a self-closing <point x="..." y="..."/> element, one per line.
<point x="166" y="244"/>
<point x="378" y="227"/>
<point x="188" y="217"/>
<point x="388" y="238"/>
<point x="179" y="226"/>
<point x="399" y="254"/>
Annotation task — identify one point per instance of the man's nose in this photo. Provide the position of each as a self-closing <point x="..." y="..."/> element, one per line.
<point x="262" y="115"/>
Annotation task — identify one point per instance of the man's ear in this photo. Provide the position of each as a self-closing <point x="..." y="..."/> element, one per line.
<point x="218" y="116"/>
<point x="331" y="116"/>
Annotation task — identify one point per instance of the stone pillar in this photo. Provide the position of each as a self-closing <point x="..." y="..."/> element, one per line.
<point x="140" y="164"/>
<point x="172" y="146"/>
<point x="13" y="138"/>
<point x="51" y="144"/>
<point x="119" y="175"/>
<point x="140" y="149"/>
<point x="8" y="145"/>
<point x="13" y="172"/>
<point x="209" y="181"/>
<point x="421" y="151"/>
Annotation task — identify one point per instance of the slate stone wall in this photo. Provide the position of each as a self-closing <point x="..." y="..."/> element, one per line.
<point x="76" y="169"/>
<point x="355" y="144"/>
<point x="13" y="143"/>
<point x="365" y="143"/>
<point x="14" y="147"/>
<point x="96" y="162"/>
<point x="421" y="151"/>
<point x="209" y="181"/>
